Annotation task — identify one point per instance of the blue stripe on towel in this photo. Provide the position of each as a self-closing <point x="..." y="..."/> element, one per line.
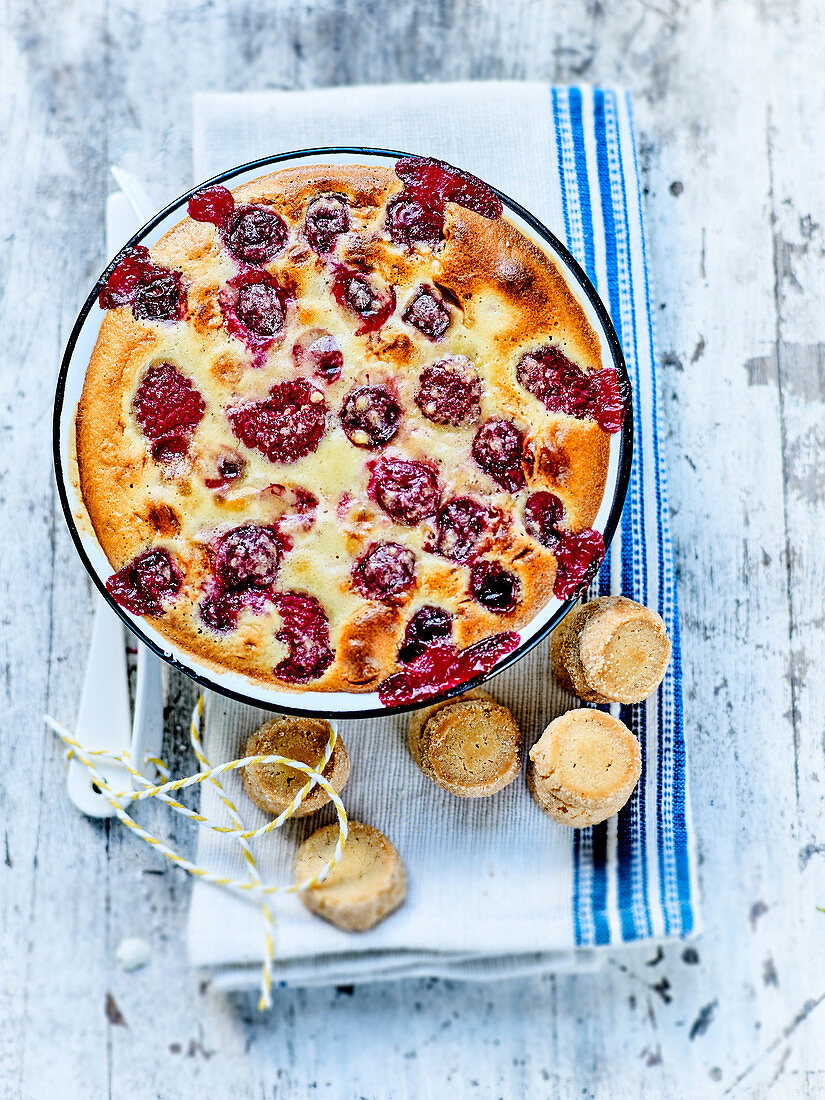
<point x="605" y="194"/>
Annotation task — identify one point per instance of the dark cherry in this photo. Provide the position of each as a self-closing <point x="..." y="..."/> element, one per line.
<point x="429" y="624"/>
<point x="318" y="350"/>
<point x="327" y="218"/>
<point x="497" y="449"/>
<point x="305" y="630"/>
<point x="460" y="523"/>
<point x="229" y="468"/>
<point x="578" y="557"/>
<point x="417" y="215"/>
<point x="494" y="586"/>
<point x="408" y="491"/>
<point x="147" y="584"/>
<point x="354" y="292"/>
<point x="440" y="666"/>
<point x="220" y="609"/>
<point x="154" y="293"/>
<point x="411" y="222"/>
<point x="563" y="387"/>
<point x="215" y="205"/>
<point x="578" y="553"/>
<point x="543" y="513"/>
<point x="170" y="449"/>
<point x="255" y="235"/>
<point x="386" y="571"/>
<point x="289" y="424"/>
<point x="449" y="392"/>
<point x="166" y="403"/>
<point x="370" y="416"/>
<point x="260" y="309"/>
<point x="247" y="557"/>
<point x="428" y="314"/>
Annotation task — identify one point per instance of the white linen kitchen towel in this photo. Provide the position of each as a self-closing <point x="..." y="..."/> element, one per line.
<point x="495" y="887"/>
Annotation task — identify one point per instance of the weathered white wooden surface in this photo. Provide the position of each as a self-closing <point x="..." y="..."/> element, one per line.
<point x="731" y="112"/>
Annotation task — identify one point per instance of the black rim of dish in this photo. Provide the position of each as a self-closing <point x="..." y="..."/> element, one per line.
<point x="622" y="479"/>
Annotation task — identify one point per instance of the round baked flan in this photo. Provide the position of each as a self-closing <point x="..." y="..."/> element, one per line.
<point x="345" y="428"/>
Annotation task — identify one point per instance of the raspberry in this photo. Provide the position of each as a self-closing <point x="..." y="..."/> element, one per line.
<point x="417" y="215"/>
<point x="385" y="571"/>
<point x="147" y="583"/>
<point x="494" y="587"/>
<point x="229" y="468"/>
<point x="166" y="403"/>
<point x="578" y="557"/>
<point x="497" y="449"/>
<point x="215" y="205"/>
<point x="288" y="425"/>
<point x="449" y="392"/>
<point x="370" y="416"/>
<point x="305" y="630"/>
<point x="407" y="491"/>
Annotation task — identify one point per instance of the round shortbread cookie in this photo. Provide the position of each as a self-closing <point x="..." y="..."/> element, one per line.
<point x="611" y="650"/>
<point x="584" y="767"/>
<point x="366" y="885"/>
<point x="272" y="787"/>
<point x="470" y="747"/>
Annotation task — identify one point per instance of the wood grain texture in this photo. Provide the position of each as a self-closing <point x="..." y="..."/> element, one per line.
<point x="730" y="100"/>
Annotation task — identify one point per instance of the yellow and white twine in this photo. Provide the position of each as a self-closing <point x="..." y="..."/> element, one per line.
<point x="254" y="888"/>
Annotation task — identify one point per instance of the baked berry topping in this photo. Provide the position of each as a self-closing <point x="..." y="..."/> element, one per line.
<point x="169" y="450"/>
<point x="215" y="205"/>
<point x="410" y="222"/>
<point x="429" y="624"/>
<point x="578" y="553"/>
<point x="221" y="608"/>
<point x="147" y="584"/>
<point x="357" y="294"/>
<point x="543" y="513"/>
<point x="229" y="468"/>
<point x="247" y="557"/>
<point x="326" y="219"/>
<point x="305" y="629"/>
<point x="166" y="404"/>
<point x="563" y="387"/>
<point x="318" y="351"/>
<point x="449" y="392"/>
<point x="385" y="571"/>
<point x="428" y="314"/>
<point x="255" y="235"/>
<point x="260" y="309"/>
<point x="417" y="215"/>
<point x="494" y="586"/>
<point x="497" y="449"/>
<point x="154" y="293"/>
<point x="440" y="666"/>
<point x="370" y="416"/>
<point x="288" y="425"/>
<point x="578" y="557"/>
<point x="460" y="523"/>
<point x="407" y="491"/>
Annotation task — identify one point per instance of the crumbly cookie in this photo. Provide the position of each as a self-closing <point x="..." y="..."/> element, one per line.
<point x="273" y="786"/>
<point x="584" y="767"/>
<point x="611" y="650"/>
<point x="366" y="885"/>
<point x="470" y="746"/>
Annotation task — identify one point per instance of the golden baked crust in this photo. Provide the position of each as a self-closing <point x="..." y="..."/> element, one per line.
<point x="505" y="298"/>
